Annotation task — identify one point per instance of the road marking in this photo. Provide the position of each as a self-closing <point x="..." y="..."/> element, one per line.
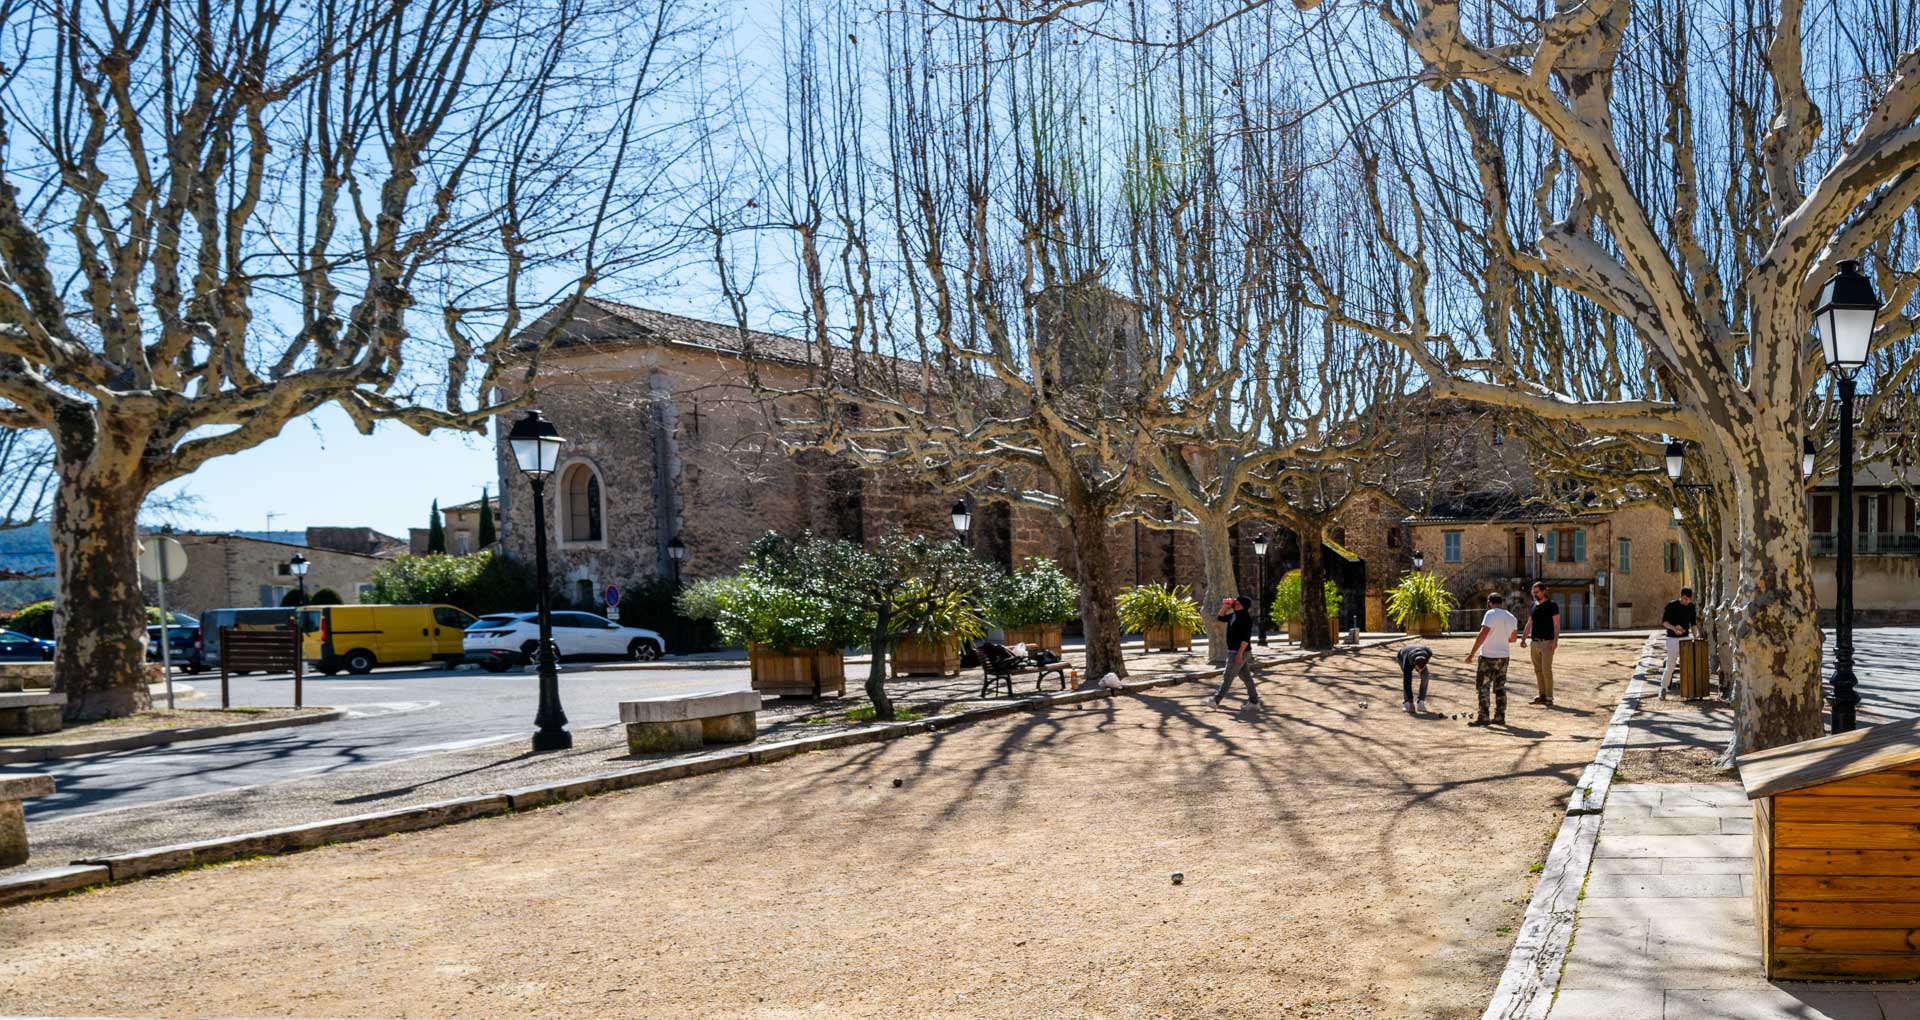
<point x="369" y="709"/>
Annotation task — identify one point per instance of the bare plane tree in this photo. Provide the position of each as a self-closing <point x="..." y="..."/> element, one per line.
<point x="218" y="217"/>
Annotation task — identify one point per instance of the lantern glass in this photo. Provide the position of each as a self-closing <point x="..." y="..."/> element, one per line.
<point x="1806" y="458"/>
<point x="962" y="517"/>
<point x="298" y="565"/>
<point x="1260" y="544"/>
<point x="1677" y="515"/>
<point x="1540" y="545"/>
<point x="1848" y="307"/>
<point x="1676" y="459"/>
<point x="536" y="445"/>
<point x="1419" y="561"/>
<point x="676" y="549"/>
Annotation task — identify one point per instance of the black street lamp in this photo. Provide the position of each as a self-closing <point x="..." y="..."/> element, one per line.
<point x="1260" y="583"/>
<point x="1539" y="554"/>
<point x="298" y="568"/>
<point x="962" y="517"/>
<point x="677" y="553"/>
<point x="1848" y="306"/>
<point x="1807" y="453"/>
<point x="1418" y="560"/>
<point x="536" y="449"/>
<point x="1676" y="464"/>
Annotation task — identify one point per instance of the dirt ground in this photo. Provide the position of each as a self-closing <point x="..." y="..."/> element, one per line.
<point x="1341" y="860"/>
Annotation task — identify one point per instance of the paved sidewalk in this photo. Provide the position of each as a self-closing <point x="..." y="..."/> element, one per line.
<point x="493" y="766"/>
<point x="1665" y="928"/>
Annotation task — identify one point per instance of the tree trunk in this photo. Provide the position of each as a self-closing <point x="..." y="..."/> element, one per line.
<point x="1776" y="629"/>
<point x="1316" y="631"/>
<point x="1098" y="590"/>
<point x="1216" y="557"/>
<point x="100" y="615"/>
<point x="877" y="671"/>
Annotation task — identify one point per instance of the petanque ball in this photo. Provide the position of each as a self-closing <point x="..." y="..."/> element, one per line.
<point x="1179" y="877"/>
<point x="898" y="783"/>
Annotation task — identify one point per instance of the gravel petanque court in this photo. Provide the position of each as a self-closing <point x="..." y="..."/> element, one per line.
<point x="1341" y="860"/>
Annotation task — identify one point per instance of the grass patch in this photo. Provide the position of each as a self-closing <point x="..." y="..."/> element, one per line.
<point x="866" y="713"/>
<point x="1536" y="868"/>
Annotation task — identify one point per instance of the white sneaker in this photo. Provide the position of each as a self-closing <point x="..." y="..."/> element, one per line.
<point x="1407" y="707"/>
<point x="1422" y="705"/>
<point x="1214" y="700"/>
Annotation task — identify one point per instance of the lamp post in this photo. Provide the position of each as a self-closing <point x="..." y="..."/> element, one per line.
<point x="1260" y="583"/>
<point x="298" y="568"/>
<point x="536" y="449"/>
<point x="677" y="554"/>
<point x="1848" y="306"/>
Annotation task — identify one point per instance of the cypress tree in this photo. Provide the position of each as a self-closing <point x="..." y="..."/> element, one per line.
<point x="436" y="534"/>
<point x="487" y="534"/>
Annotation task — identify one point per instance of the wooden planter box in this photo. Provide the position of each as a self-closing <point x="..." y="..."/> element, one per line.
<point x="1168" y="639"/>
<point x="1836" y="855"/>
<point x="1041" y="635"/>
<point x="920" y="657"/>
<point x="1431" y="625"/>
<point x="803" y="672"/>
<point x="1295" y="629"/>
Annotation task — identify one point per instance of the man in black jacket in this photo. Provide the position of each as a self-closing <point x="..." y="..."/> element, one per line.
<point x="1239" y="648"/>
<point x="1414" y="659"/>
<point x="1681" y="621"/>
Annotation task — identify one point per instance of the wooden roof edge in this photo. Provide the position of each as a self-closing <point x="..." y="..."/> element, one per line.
<point x="1829" y="759"/>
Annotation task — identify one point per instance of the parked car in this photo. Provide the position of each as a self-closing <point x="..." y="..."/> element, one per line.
<point x="358" y="638"/>
<point x="504" y="640"/>
<point x="236" y="619"/>
<point x="183" y="645"/>
<point x="18" y="647"/>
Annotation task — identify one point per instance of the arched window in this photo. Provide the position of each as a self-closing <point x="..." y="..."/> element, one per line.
<point x="580" y="504"/>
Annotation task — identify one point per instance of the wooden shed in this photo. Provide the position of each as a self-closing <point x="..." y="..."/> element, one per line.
<point x="1836" y="854"/>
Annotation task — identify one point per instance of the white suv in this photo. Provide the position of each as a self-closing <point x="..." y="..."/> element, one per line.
<point x="503" y="640"/>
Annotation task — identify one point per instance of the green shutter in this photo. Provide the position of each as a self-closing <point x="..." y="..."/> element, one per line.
<point x="1579" y="545"/>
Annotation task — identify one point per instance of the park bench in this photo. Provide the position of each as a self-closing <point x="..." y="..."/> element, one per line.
<point x="687" y="722"/>
<point x="998" y="665"/>
<point x="23" y="713"/>
<point x="13" y="818"/>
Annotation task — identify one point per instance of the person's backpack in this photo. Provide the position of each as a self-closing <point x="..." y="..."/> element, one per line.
<point x="1042" y="657"/>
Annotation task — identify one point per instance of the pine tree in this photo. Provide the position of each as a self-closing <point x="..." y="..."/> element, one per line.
<point x="487" y="534"/>
<point x="436" y="534"/>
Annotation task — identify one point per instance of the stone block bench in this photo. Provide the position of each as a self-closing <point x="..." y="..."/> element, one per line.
<point x="23" y="713"/>
<point x="687" y="722"/>
<point x="13" y="818"/>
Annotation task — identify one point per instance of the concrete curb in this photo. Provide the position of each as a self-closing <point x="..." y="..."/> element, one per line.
<point x="142" y="863"/>
<point x="1532" y="976"/>
<point x="160" y="738"/>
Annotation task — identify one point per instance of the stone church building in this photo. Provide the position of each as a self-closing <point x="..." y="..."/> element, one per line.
<point x="666" y="438"/>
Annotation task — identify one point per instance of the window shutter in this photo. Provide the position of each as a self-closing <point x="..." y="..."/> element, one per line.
<point x="1823" y="513"/>
<point x="1625" y="564"/>
<point x="1579" y="545"/>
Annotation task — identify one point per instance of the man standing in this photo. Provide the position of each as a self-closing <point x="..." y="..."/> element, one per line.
<point x="1413" y="658"/>
<point x="1239" y="648"/>
<point x="1681" y="621"/>
<point x="1543" y="626"/>
<point x="1496" y="629"/>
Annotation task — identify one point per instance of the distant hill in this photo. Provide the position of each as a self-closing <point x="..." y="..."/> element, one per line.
<point x="29" y="550"/>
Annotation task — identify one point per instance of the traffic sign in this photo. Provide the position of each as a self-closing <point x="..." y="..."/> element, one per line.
<point x="162" y="559"/>
<point x="613" y="595"/>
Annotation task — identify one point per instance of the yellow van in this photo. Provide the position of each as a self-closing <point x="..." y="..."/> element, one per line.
<point x="358" y="638"/>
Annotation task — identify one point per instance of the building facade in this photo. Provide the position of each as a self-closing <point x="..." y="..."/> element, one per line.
<point x="1611" y="570"/>
<point x="235" y="572"/>
<point x="1886" y="545"/>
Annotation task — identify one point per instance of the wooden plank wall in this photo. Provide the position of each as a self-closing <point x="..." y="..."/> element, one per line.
<point x="1763" y="877"/>
<point x="1845" y="892"/>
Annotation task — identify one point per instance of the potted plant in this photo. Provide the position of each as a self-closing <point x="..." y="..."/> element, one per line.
<point x="1034" y="602"/>
<point x="941" y="625"/>
<point x="1287" y="605"/>
<point x="794" y="640"/>
<point x="1164" y="615"/>
<point x="1420" y="604"/>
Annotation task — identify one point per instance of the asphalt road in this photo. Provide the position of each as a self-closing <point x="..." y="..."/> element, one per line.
<point x="1886" y="668"/>
<point x="391" y="714"/>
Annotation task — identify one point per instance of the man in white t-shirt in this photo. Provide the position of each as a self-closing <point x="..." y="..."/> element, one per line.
<point x="1496" y="629"/>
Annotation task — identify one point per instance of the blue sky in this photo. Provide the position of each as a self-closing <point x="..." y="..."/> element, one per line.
<point x="319" y="471"/>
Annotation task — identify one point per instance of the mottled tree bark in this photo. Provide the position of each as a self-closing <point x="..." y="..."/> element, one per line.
<point x="1216" y="556"/>
<point x="1098" y="590"/>
<point x="1776" y="625"/>
<point x="100" y="619"/>
<point x="1316" y="631"/>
